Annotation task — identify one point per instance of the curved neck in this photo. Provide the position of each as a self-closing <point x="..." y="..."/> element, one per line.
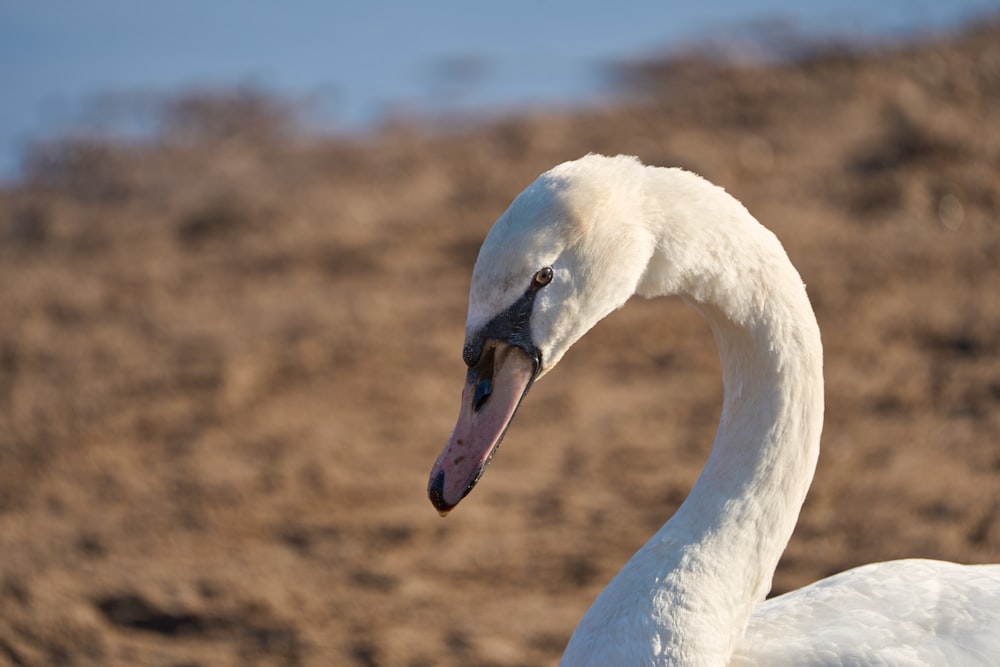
<point x="726" y="539"/>
<point x="691" y="589"/>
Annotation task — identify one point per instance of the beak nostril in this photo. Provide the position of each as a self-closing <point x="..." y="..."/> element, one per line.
<point x="482" y="375"/>
<point x="483" y="390"/>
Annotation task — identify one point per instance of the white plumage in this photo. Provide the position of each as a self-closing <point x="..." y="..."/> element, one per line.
<point x="903" y="612"/>
<point x="609" y="228"/>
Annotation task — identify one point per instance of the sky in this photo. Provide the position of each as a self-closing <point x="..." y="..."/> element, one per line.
<point x="359" y="61"/>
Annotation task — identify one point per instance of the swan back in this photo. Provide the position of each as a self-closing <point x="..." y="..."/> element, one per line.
<point x="907" y="613"/>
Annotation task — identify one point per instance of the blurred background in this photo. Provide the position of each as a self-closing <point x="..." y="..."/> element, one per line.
<point x="235" y="245"/>
<point x="106" y="66"/>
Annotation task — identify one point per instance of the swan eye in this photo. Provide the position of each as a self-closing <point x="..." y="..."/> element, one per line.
<point x="543" y="277"/>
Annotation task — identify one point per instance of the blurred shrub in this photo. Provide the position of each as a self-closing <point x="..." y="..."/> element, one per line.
<point x="98" y="156"/>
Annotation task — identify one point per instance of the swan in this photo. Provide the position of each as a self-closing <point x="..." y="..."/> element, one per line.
<point x="574" y="246"/>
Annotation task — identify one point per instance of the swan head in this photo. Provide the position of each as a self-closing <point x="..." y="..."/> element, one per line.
<point x="570" y="249"/>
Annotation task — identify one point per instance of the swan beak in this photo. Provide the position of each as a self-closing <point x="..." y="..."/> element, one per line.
<point x="494" y="388"/>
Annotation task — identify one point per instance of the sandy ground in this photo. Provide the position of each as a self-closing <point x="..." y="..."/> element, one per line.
<point x="230" y="355"/>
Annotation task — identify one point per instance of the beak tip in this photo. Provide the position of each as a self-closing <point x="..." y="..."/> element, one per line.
<point x="435" y="491"/>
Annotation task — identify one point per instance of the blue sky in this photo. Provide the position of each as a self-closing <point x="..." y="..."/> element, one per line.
<point x="363" y="59"/>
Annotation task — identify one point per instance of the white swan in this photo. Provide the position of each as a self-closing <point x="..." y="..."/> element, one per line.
<point x="574" y="246"/>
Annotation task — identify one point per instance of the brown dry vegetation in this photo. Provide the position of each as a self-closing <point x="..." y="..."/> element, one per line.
<point x="230" y="354"/>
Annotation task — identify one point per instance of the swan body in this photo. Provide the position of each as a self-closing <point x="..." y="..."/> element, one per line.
<point x="576" y="245"/>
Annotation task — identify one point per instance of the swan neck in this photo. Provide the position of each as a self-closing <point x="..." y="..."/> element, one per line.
<point x="732" y="529"/>
<point x="695" y="584"/>
<point x="738" y="518"/>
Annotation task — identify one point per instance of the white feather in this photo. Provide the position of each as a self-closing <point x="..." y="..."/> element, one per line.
<point x="694" y="594"/>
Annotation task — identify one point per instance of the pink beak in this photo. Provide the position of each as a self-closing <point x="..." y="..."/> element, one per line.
<point x="493" y="390"/>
